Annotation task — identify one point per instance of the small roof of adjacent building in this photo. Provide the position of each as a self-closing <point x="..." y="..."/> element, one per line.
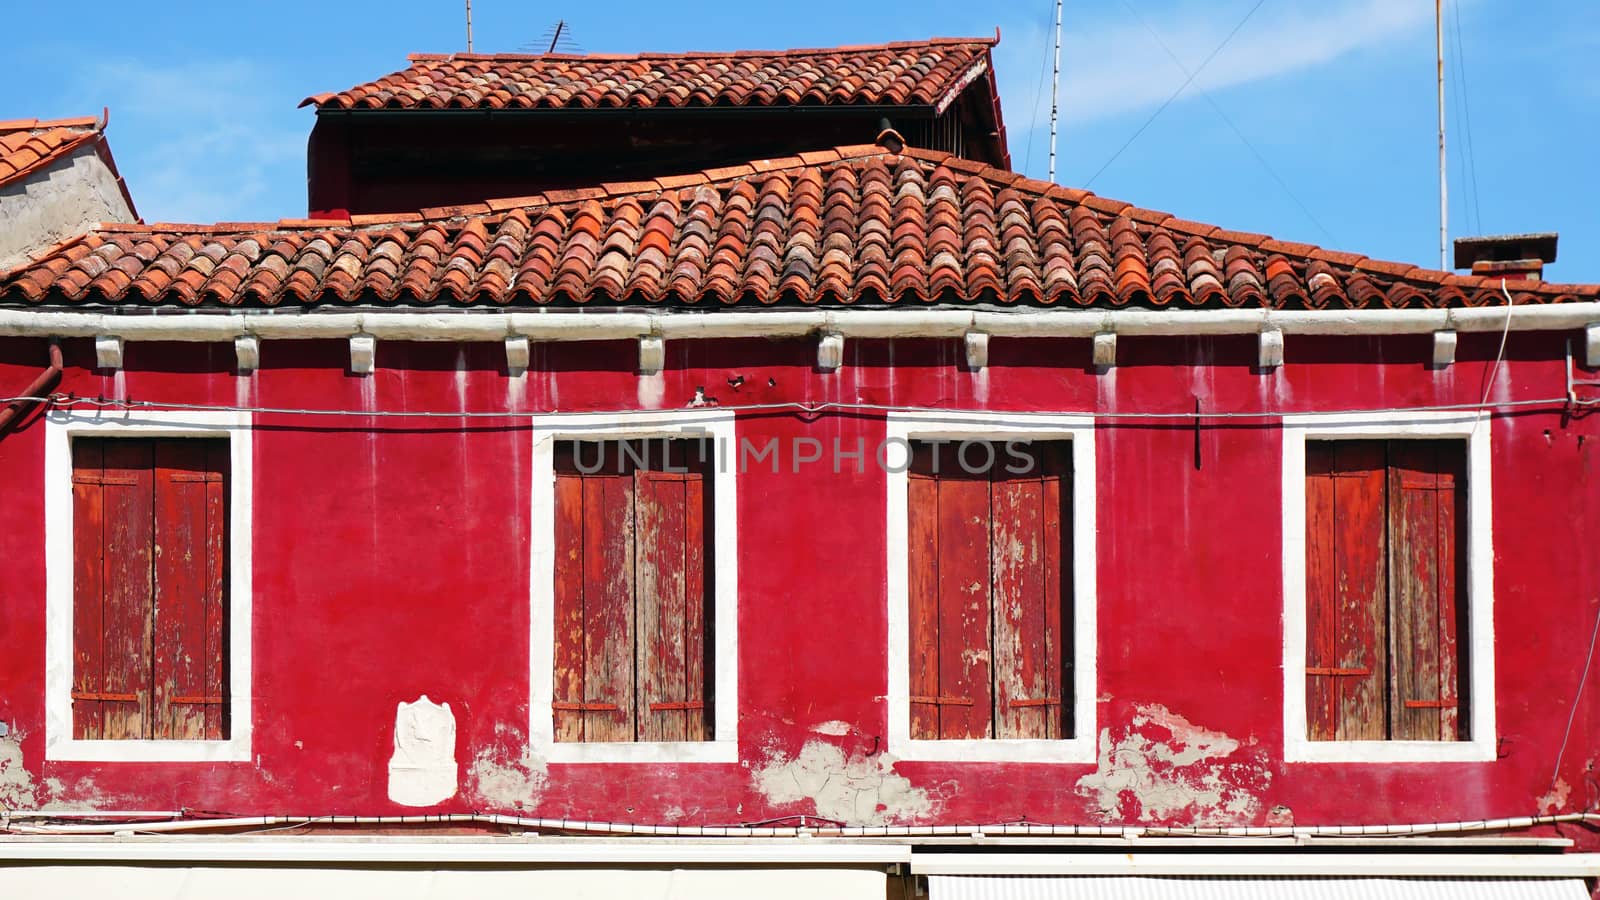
<point x="856" y="225"/>
<point x="928" y="73"/>
<point x="29" y="145"/>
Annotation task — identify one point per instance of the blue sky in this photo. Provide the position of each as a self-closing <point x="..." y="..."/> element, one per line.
<point x="1334" y="99"/>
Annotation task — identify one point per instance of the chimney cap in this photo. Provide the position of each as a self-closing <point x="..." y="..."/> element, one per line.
<point x="1539" y="246"/>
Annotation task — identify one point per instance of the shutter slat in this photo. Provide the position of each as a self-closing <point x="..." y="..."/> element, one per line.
<point x="661" y="607"/>
<point x="568" y="675"/>
<point x="699" y="590"/>
<point x="922" y="535"/>
<point x="180" y="585"/>
<point x="1023" y="509"/>
<point x="129" y="595"/>
<point x="965" y="602"/>
<point x="215" y="667"/>
<point x="1426" y="482"/>
<point x="608" y="608"/>
<point x="1345" y="590"/>
<point x="88" y="588"/>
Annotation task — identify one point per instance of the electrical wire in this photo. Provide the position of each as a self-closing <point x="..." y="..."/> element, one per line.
<point x="1181" y="88"/>
<point x="1217" y="108"/>
<point x="9" y="822"/>
<point x="795" y="406"/>
<point x="1572" y="712"/>
<point x="1465" y="107"/>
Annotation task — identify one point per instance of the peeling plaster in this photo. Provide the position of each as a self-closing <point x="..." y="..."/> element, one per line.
<point x="836" y="728"/>
<point x="17" y="788"/>
<point x="1164" y="767"/>
<point x="857" y="790"/>
<point x="1556" y="798"/>
<point x="505" y="781"/>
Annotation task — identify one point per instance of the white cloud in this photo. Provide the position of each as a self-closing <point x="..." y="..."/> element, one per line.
<point x="1112" y="65"/>
<point x="201" y="141"/>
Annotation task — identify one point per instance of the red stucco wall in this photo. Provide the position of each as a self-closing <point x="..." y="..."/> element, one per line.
<point x="391" y="560"/>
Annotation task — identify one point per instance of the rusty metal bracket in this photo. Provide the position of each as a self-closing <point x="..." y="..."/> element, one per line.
<point x="585" y="707"/>
<point x="942" y="701"/>
<point x="668" y="706"/>
<point x="1335" y="672"/>
<point x="105" y="697"/>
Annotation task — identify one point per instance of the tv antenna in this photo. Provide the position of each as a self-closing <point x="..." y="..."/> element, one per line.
<point x="469" y="26"/>
<point x="1055" y="89"/>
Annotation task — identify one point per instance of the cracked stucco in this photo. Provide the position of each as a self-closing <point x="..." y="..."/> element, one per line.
<point x="1162" y="767"/>
<point x="856" y="790"/>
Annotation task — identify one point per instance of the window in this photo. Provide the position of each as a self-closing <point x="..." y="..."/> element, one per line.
<point x="987" y="587"/>
<point x="633" y="587"/>
<point x="633" y="622"/>
<point x="991" y="586"/>
<point x="1388" y="584"/>
<point x="148" y="586"/>
<point x="1385" y="625"/>
<point x="149" y="532"/>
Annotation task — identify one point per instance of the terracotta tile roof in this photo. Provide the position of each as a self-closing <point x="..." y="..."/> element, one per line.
<point x="852" y="225"/>
<point x="27" y="145"/>
<point x="923" y="73"/>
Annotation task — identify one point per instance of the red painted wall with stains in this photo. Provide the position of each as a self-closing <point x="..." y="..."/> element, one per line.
<point x="391" y="560"/>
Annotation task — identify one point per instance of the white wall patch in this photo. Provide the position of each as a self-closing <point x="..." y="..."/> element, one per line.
<point x="423" y="770"/>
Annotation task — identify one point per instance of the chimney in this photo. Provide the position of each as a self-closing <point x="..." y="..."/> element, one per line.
<point x="1515" y="257"/>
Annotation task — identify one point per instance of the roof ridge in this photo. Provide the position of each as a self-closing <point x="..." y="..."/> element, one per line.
<point x="703" y="54"/>
<point x="90" y="122"/>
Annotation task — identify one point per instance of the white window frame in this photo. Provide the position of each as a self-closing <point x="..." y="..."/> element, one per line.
<point x="61" y="427"/>
<point x="718" y="428"/>
<point x="904" y="427"/>
<point x="1474" y="429"/>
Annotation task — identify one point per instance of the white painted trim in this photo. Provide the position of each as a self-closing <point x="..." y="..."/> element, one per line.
<point x="381" y="849"/>
<point x="1475" y="430"/>
<point x="907" y="426"/>
<point x="718" y="427"/>
<point x="472" y="325"/>
<point x="1374" y="865"/>
<point x="61" y="426"/>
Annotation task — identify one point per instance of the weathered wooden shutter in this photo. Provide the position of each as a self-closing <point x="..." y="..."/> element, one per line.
<point x="189" y="685"/>
<point x="1382" y="606"/>
<point x="986" y="593"/>
<point x="149" y="552"/>
<point x="632" y="590"/>
<point x="1346" y="590"/>
<point x="1427" y="483"/>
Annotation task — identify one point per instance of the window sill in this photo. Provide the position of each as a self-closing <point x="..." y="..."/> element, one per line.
<point x="76" y="750"/>
<point x="1072" y="750"/>
<point x="640" y="752"/>
<point x="1305" y="751"/>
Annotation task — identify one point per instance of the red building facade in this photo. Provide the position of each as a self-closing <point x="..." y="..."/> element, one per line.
<point x="1229" y="533"/>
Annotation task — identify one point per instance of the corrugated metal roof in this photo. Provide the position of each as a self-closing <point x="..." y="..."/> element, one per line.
<point x="1035" y="887"/>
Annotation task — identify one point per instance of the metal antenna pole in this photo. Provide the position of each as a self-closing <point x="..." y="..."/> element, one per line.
<point x="469" y="26"/>
<point x="1444" y="206"/>
<point x="1055" y="89"/>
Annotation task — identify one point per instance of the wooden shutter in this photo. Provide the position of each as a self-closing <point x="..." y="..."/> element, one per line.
<point x="149" y="551"/>
<point x="189" y="693"/>
<point x="632" y="590"/>
<point x="1346" y="590"/>
<point x="1384" y="614"/>
<point x="1427" y="482"/>
<point x="986" y="594"/>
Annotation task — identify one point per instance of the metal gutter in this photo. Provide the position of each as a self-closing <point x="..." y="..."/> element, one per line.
<point x="469" y="325"/>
